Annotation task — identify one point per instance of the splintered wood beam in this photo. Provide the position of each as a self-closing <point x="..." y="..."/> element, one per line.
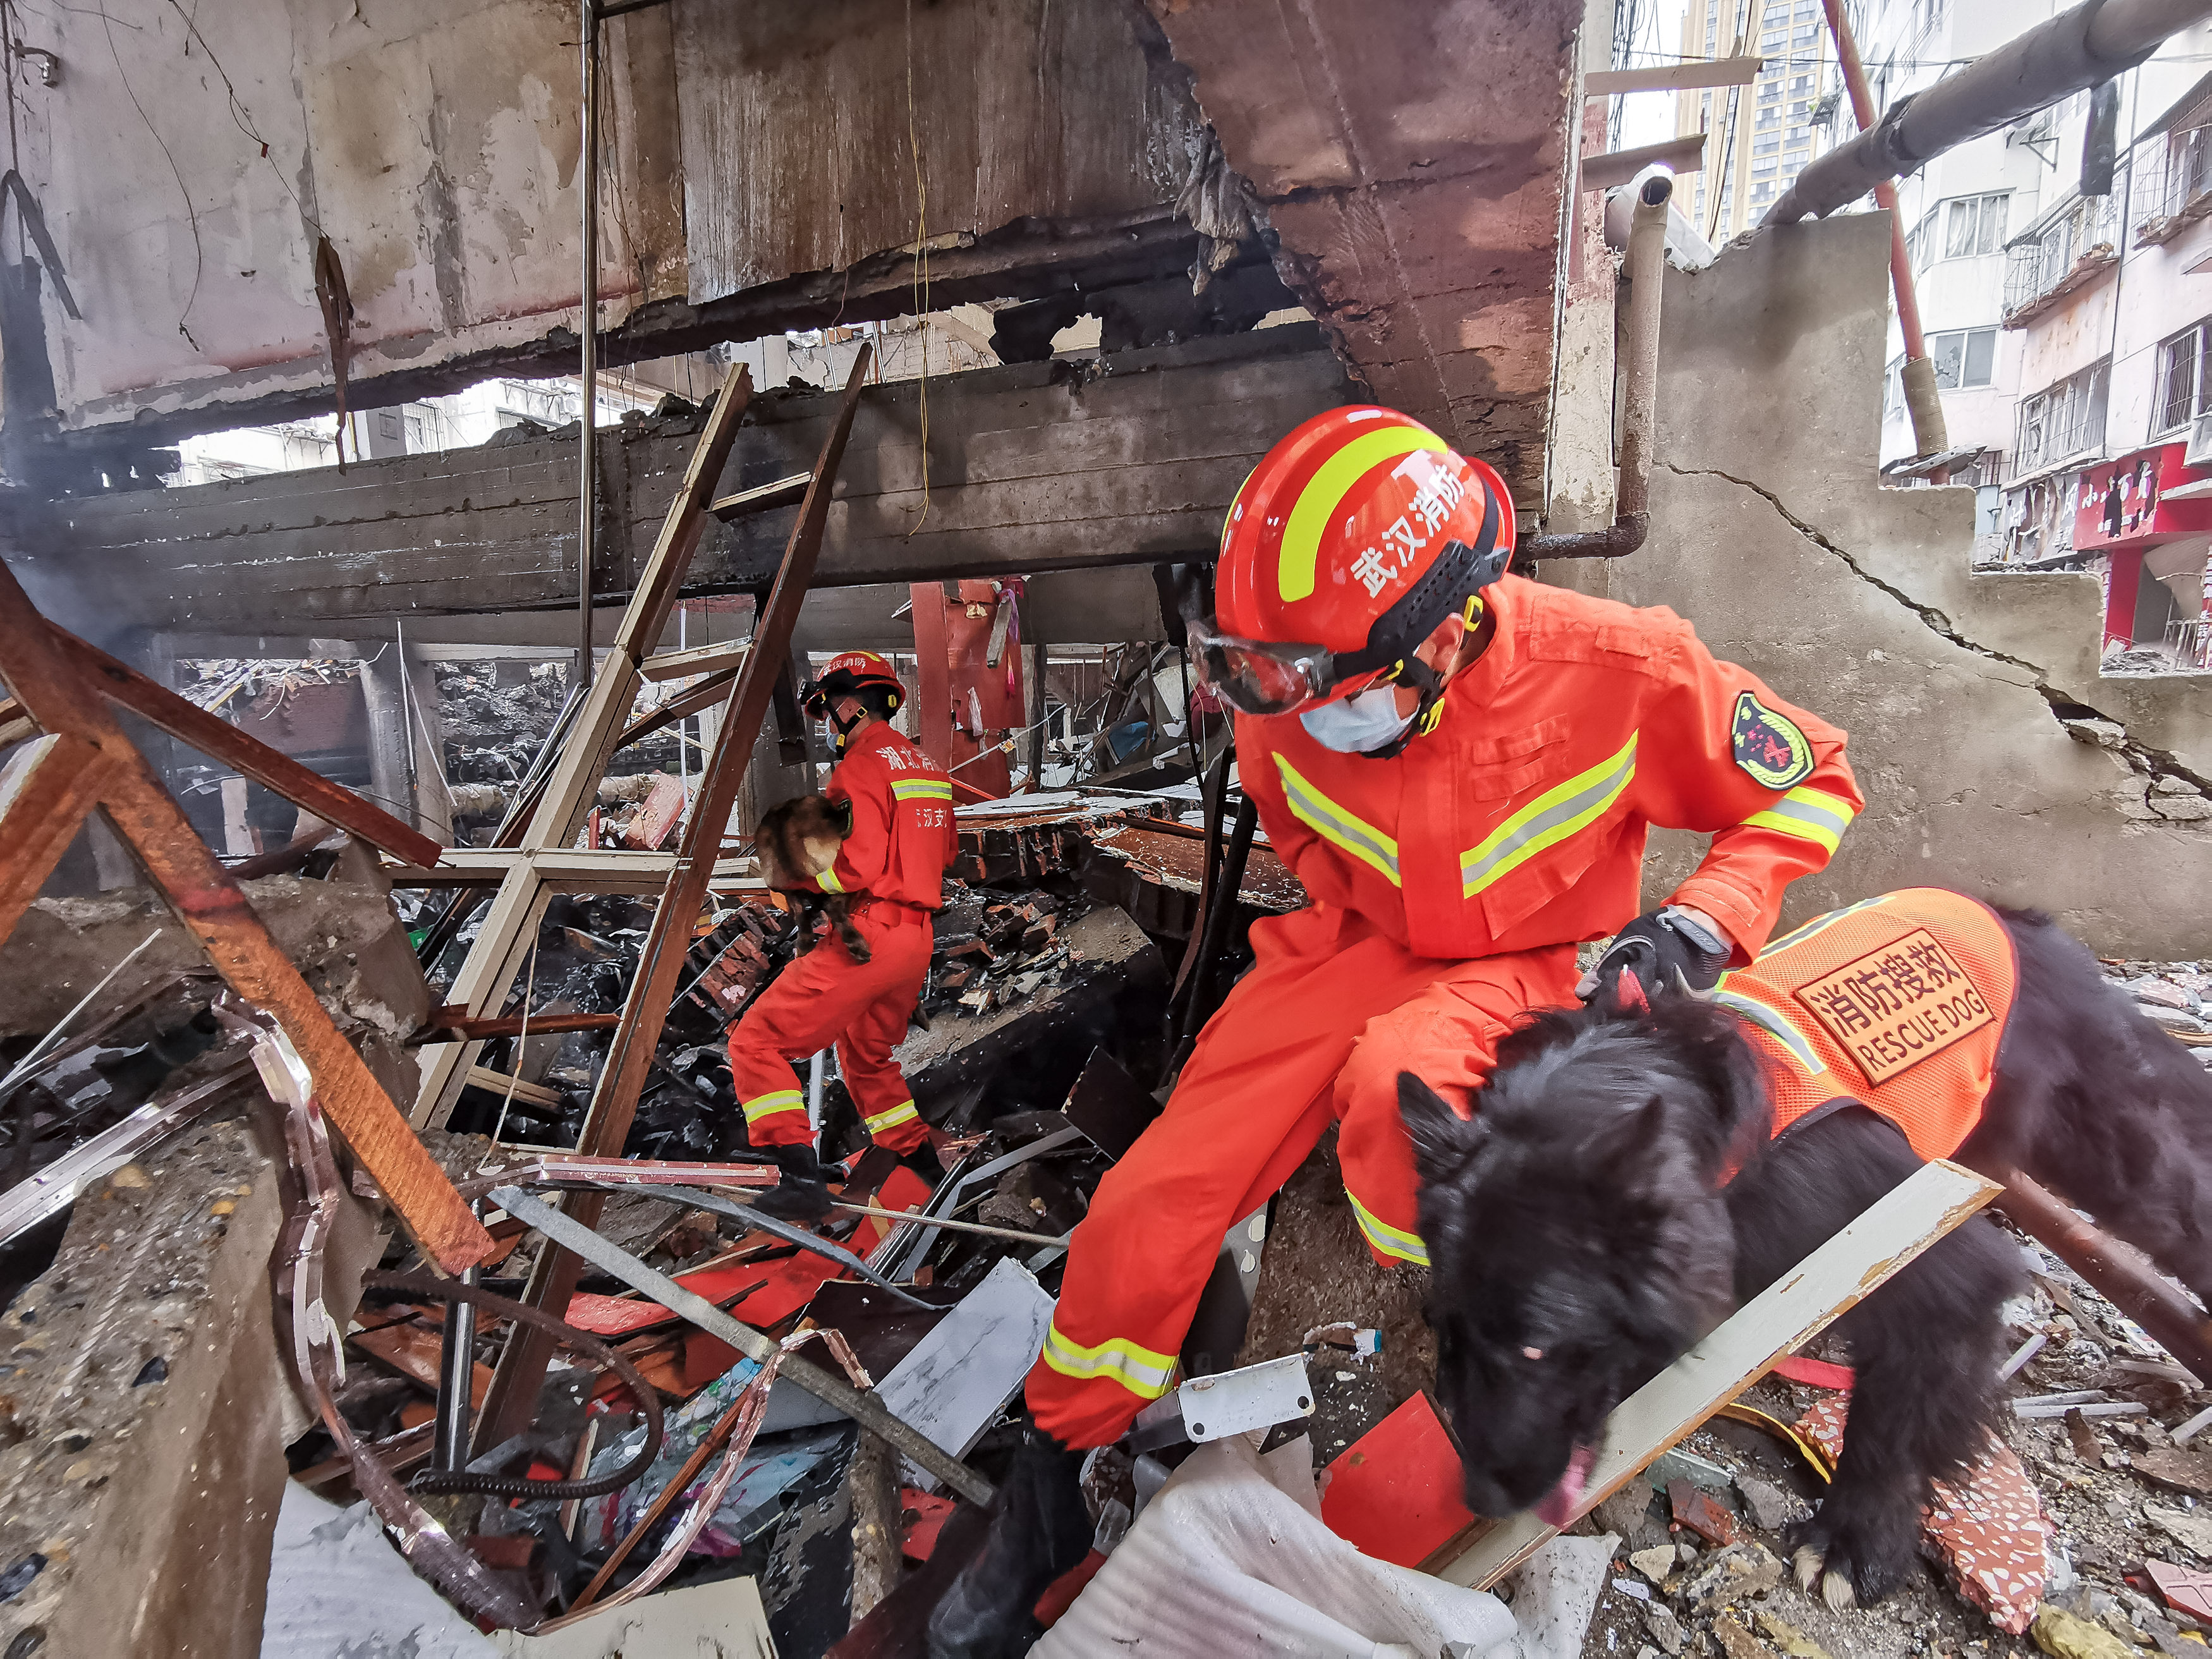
<point x="514" y="1399"/>
<point x="219" y="740"/>
<point x="14" y="724"/>
<point x="1674" y="77"/>
<point x="728" y="655"/>
<point x="1618" y="167"/>
<point x="65" y="701"/>
<point x="1789" y="1313"/>
<point x="46" y="787"/>
<point x="708" y="694"/>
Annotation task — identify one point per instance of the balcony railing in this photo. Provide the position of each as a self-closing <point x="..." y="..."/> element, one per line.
<point x="2050" y="263"/>
<point x="2176" y="191"/>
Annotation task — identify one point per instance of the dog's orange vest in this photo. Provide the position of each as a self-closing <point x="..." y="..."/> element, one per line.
<point x="1899" y="1002"/>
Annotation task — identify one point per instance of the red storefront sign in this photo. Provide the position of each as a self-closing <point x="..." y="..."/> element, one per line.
<point x="2123" y="502"/>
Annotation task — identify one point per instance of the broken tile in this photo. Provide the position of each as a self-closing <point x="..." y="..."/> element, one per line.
<point x="1730" y="1575"/>
<point x="1700" y="1512"/>
<point x="2190" y="1528"/>
<point x="1657" y="1563"/>
<point x="2170" y="1466"/>
<point x="1666" y="1629"/>
<point x="2186" y="1589"/>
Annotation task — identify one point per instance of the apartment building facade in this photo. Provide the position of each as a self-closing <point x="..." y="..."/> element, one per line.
<point x="1761" y="134"/>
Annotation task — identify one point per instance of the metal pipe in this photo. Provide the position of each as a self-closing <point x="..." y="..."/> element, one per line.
<point x="2094" y="41"/>
<point x="457" y="1370"/>
<point x="2119" y="1271"/>
<point x="1645" y="267"/>
<point x="587" y="487"/>
<point x="1921" y="401"/>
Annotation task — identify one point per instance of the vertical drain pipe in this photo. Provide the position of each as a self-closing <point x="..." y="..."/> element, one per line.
<point x="1922" y="400"/>
<point x="588" y="486"/>
<point x="1646" y="268"/>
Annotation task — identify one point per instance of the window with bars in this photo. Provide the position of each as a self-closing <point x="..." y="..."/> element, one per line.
<point x="2183" y="393"/>
<point x="2063" y="420"/>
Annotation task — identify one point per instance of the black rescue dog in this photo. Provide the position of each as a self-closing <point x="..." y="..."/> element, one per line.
<point x="799" y="840"/>
<point x="1584" y="1232"/>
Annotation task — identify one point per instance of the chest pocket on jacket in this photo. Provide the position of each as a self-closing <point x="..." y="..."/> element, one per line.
<point x="1507" y="869"/>
<point x="1494" y="770"/>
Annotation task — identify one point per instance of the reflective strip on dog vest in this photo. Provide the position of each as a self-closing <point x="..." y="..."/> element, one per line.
<point x="828" y="879"/>
<point x="897" y="1114"/>
<point x="1819" y="925"/>
<point x="1385" y="1238"/>
<point x="1547" y="820"/>
<point x="1775" y="1024"/>
<point x="1141" y="1371"/>
<point x="1332" y="824"/>
<point x="1316" y="503"/>
<point x="1809" y="814"/>
<point x="921" y="789"/>
<point x="783" y="1100"/>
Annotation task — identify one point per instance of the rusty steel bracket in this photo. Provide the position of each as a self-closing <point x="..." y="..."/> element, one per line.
<point x="87" y="763"/>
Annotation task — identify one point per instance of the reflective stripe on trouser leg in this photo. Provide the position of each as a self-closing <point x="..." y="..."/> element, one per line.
<point x="902" y="1113"/>
<point x="767" y="1106"/>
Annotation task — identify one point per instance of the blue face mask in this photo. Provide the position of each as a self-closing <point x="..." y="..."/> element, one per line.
<point x="1355" y="726"/>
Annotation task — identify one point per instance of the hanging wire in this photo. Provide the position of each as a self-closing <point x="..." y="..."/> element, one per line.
<point x="515" y="1060"/>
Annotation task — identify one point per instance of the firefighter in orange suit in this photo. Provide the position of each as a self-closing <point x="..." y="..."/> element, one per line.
<point x="892" y="861"/>
<point x="1461" y="766"/>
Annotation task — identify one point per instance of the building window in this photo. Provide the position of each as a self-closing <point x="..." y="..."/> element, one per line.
<point x="1963" y="358"/>
<point x="1974" y="225"/>
<point x="1892" y="389"/>
<point x="2063" y="420"/>
<point x="2183" y="394"/>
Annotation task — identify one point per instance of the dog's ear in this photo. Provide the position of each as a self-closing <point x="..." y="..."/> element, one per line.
<point x="1443" y="1140"/>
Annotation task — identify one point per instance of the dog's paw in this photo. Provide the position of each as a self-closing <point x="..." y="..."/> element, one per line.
<point x="1854" y="1561"/>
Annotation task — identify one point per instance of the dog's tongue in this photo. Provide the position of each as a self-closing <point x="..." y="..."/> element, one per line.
<point x="1557" y="1508"/>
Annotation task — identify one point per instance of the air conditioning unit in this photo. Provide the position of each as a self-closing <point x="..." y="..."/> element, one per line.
<point x="2199" y="452"/>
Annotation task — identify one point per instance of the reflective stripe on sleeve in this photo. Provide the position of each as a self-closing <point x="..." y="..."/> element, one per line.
<point x="901" y="1113"/>
<point x="1141" y="1371"/>
<point x="1333" y="825"/>
<point x="1809" y="814"/>
<point x="1389" y="1240"/>
<point x="827" y="880"/>
<point x="783" y="1100"/>
<point x="1774" y="1023"/>
<point x="1547" y="820"/>
<point x="921" y="789"/>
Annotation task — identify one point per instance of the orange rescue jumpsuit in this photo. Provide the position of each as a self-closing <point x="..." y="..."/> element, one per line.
<point x="1898" y="1003"/>
<point x="894" y="864"/>
<point x="1450" y="885"/>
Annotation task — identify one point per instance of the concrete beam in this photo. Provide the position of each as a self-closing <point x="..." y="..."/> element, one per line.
<point x="1036" y="466"/>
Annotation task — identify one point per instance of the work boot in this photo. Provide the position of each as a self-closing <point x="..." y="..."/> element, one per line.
<point x="1040" y="1529"/>
<point x="802" y="1191"/>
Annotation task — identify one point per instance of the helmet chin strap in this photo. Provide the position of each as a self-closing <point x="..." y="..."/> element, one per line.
<point x="1430" y="684"/>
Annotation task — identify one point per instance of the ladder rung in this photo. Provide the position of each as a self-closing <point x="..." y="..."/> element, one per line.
<point x="761" y="497"/>
<point x="699" y="659"/>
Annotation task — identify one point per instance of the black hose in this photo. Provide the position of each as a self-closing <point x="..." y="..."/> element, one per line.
<point x="431" y="1288"/>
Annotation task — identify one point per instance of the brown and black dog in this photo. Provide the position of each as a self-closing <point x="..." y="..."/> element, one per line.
<point x="798" y="841"/>
<point x="1585" y="1230"/>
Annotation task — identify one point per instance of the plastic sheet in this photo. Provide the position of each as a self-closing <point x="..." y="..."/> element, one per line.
<point x="1231" y="1557"/>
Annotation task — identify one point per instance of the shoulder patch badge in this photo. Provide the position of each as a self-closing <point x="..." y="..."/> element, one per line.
<point x="1769" y="746"/>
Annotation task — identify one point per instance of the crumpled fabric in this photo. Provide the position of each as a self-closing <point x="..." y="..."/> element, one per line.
<point x="1231" y="1557"/>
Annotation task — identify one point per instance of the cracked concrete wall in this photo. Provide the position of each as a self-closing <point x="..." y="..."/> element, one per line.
<point x="1995" y="757"/>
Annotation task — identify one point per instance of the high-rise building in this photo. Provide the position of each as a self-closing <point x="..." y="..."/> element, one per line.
<point x="1763" y="133"/>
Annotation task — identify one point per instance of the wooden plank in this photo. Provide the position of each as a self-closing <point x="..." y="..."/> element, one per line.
<point x="1618" y="167"/>
<point x="535" y="1094"/>
<point x="699" y="659"/>
<point x="45" y="789"/>
<point x="15" y="724"/>
<point x="1673" y="77"/>
<point x="777" y="492"/>
<point x="1789" y="1313"/>
<point x="219" y="740"/>
<point x="209" y="904"/>
<point x="708" y="694"/>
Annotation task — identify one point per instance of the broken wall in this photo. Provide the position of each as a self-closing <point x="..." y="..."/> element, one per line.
<point x="1770" y="534"/>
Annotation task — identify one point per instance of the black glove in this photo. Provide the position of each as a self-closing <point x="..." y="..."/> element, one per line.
<point x="1664" y="950"/>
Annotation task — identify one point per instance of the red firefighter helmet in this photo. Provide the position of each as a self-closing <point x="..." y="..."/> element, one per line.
<point x="1352" y="539"/>
<point x="848" y="673"/>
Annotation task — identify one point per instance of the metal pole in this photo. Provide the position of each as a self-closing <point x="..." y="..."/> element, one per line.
<point x="816" y="1069"/>
<point x="1922" y="400"/>
<point x="587" y="488"/>
<point x="457" y="1373"/>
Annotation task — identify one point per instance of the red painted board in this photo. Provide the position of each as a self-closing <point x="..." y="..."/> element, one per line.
<point x="1814" y="1373"/>
<point x="2185" y="1590"/>
<point x="929" y="1512"/>
<point x="1395" y="1492"/>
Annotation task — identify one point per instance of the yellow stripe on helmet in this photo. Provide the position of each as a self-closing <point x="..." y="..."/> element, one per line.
<point x="1317" y="502"/>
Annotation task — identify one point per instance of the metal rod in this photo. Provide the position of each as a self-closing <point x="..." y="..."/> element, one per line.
<point x="1645" y="267"/>
<point x="1922" y="401"/>
<point x="2072" y="52"/>
<point x="921" y="1220"/>
<point x="2120" y="1272"/>
<point x="1226" y="892"/>
<point x="587" y="487"/>
<point x="456" y="1369"/>
<point x="864" y="1409"/>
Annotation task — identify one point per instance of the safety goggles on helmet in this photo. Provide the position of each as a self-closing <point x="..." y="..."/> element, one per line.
<point x="1263" y="676"/>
